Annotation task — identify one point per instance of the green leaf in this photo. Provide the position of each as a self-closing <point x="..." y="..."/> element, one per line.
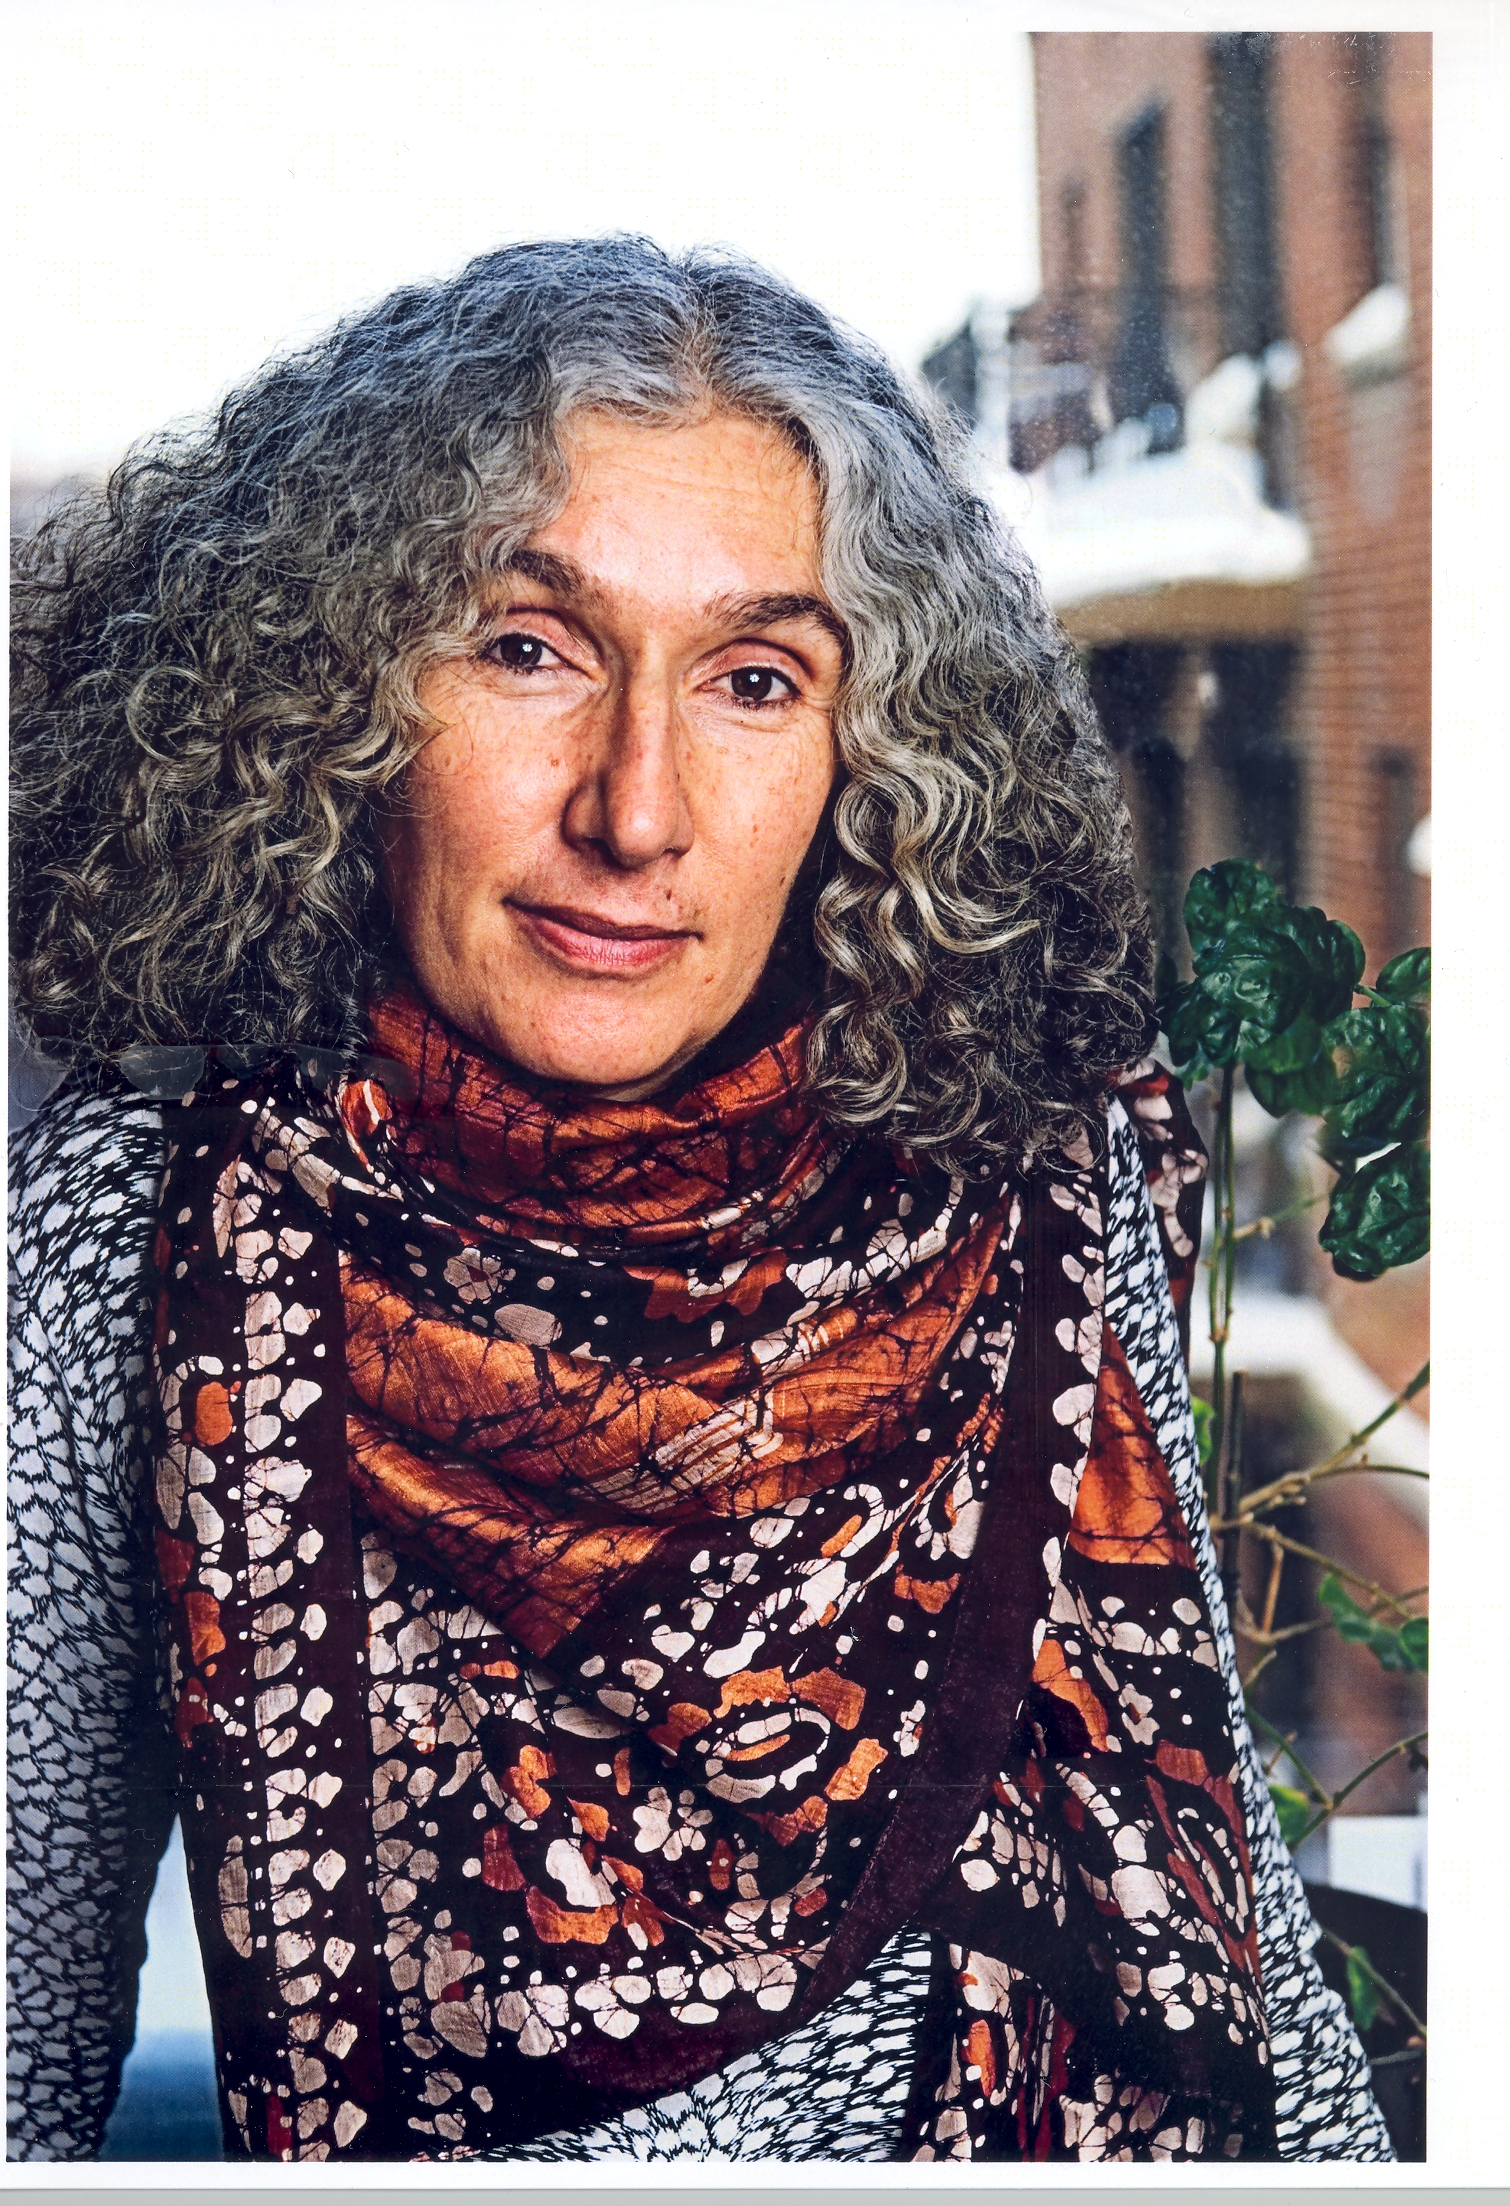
<point x="1293" y="1048"/>
<point x="1222" y="895"/>
<point x="1380" y="1214"/>
<point x="1303" y="1049"/>
<point x="1202" y="1032"/>
<point x="1312" y="1088"/>
<point x="1268" y="977"/>
<point x="1333" y="955"/>
<point x="1413" y="1641"/>
<point x="1353" y="1623"/>
<point x="1203" y="1413"/>
<point x="1258" y="968"/>
<point x="1362" y="1991"/>
<point x="1293" y="1810"/>
<point x="1406" y="978"/>
<point x="1258" y="986"/>
<point x="1384" y="1086"/>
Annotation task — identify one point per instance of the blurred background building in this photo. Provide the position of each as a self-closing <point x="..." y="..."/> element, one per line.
<point x="1211" y="430"/>
<point x="1221" y="399"/>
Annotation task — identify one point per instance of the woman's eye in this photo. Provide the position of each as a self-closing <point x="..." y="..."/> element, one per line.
<point x="760" y="685"/>
<point x="520" y="653"/>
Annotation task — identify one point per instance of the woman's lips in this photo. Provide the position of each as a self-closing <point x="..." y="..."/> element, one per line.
<point x="594" y="944"/>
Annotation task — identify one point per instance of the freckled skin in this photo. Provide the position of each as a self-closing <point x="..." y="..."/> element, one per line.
<point x="597" y="847"/>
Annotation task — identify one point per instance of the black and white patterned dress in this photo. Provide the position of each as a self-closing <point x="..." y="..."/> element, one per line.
<point x="91" y="1759"/>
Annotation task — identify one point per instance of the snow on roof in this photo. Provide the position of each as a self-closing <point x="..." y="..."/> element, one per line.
<point x="1418" y="849"/>
<point x="1194" y="515"/>
<point x="1372" y="340"/>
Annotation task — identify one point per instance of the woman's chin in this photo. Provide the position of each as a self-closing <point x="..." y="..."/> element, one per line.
<point x="616" y="1039"/>
<point x="611" y="1067"/>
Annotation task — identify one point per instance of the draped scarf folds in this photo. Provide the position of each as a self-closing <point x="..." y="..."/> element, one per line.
<point x="622" y="1562"/>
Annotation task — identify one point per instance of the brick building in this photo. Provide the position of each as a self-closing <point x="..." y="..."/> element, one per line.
<point x="1221" y="399"/>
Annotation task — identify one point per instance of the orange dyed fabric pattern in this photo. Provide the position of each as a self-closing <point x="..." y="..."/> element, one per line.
<point x="626" y="1562"/>
<point x="750" y="1389"/>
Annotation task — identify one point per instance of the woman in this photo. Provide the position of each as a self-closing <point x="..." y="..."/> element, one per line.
<point x="632" y="1369"/>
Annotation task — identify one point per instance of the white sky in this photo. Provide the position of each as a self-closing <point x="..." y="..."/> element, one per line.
<point x="194" y="185"/>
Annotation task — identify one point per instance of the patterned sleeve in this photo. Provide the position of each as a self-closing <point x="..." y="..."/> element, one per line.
<point x="91" y="1800"/>
<point x="1325" y="2104"/>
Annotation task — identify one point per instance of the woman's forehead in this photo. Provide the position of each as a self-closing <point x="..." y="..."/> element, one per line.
<point x="719" y="504"/>
<point x="708" y="451"/>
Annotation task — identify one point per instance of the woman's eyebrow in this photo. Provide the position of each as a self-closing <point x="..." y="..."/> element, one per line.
<point x="764" y="610"/>
<point x="552" y="572"/>
<point x="767" y="611"/>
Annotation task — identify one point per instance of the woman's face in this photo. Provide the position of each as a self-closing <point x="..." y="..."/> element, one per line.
<point x="597" y="847"/>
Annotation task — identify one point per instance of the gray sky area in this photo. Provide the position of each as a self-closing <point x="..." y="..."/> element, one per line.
<point x="195" y="185"/>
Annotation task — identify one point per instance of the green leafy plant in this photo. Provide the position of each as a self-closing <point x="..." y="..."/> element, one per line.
<point x="1273" y="990"/>
<point x="1401" y="1647"/>
<point x="1202" y="1413"/>
<point x="1293" y="1810"/>
<point x="1276" y="997"/>
<point x="1362" y="1988"/>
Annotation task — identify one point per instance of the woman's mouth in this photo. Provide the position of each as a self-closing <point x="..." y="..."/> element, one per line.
<point x="592" y="943"/>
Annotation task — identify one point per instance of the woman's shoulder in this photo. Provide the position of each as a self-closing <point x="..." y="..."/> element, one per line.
<point x="84" y="1177"/>
<point x="84" y="1184"/>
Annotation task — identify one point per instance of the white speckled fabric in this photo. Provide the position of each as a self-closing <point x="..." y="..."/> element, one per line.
<point x="91" y="1767"/>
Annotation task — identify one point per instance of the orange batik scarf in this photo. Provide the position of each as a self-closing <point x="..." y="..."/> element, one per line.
<point x="626" y="1561"/>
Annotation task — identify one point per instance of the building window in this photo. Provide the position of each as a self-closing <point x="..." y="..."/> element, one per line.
<point x="1133" y="685"/>
<point x="1371" y="159"/>
<point x="1143" y="384"/>
<point x="1246" y="736"/>
<point x="1395" y="798"/>
<point x="953" y="369"/>
<point x="1241" y="66"/>
<point x="1072" y="229"/>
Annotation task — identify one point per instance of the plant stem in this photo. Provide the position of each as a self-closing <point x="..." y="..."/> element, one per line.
<point x="1230" y="1490"/>
<point x="1334" y="1800"/>
<point x="1294" y="1487"/>
<point x="1361" y="1961"/>
<point x="1406" y="1394"/>
<point x="1395" y="1601"/>
<point x="1229" y="1152"/>
<point x="1265" y="1637"/>
<point x="1273" y="1762"/>
<point x="1271" y="1592"/>
<point x="1263" y="1227"/>
<point x="1280" y="1489"/>
<point x="1287" y="1747"/>
<point x="1219" y="1272"/>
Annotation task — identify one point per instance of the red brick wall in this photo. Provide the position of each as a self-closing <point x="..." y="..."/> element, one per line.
<point x="1363" y="472"/>
<point x="1090" y="86"/>
<point x="1365" y="482"/>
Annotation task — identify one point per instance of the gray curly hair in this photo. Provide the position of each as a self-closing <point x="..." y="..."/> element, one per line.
<point x="218" y="660"/>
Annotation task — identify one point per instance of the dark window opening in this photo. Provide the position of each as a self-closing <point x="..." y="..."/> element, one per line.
<point x="1372" y="160"/>
<point x="1133" y="686"/>
<point x="1143" y="384"/>
<point x="1247" y="741"/>
<point x="1396" y="799"/>
<point x="1241" y="66"/>
<point x="953" y="369"/>
<point x="1072" y="216"/>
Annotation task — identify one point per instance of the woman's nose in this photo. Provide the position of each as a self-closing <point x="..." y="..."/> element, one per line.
<point x="631" y="802"/>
